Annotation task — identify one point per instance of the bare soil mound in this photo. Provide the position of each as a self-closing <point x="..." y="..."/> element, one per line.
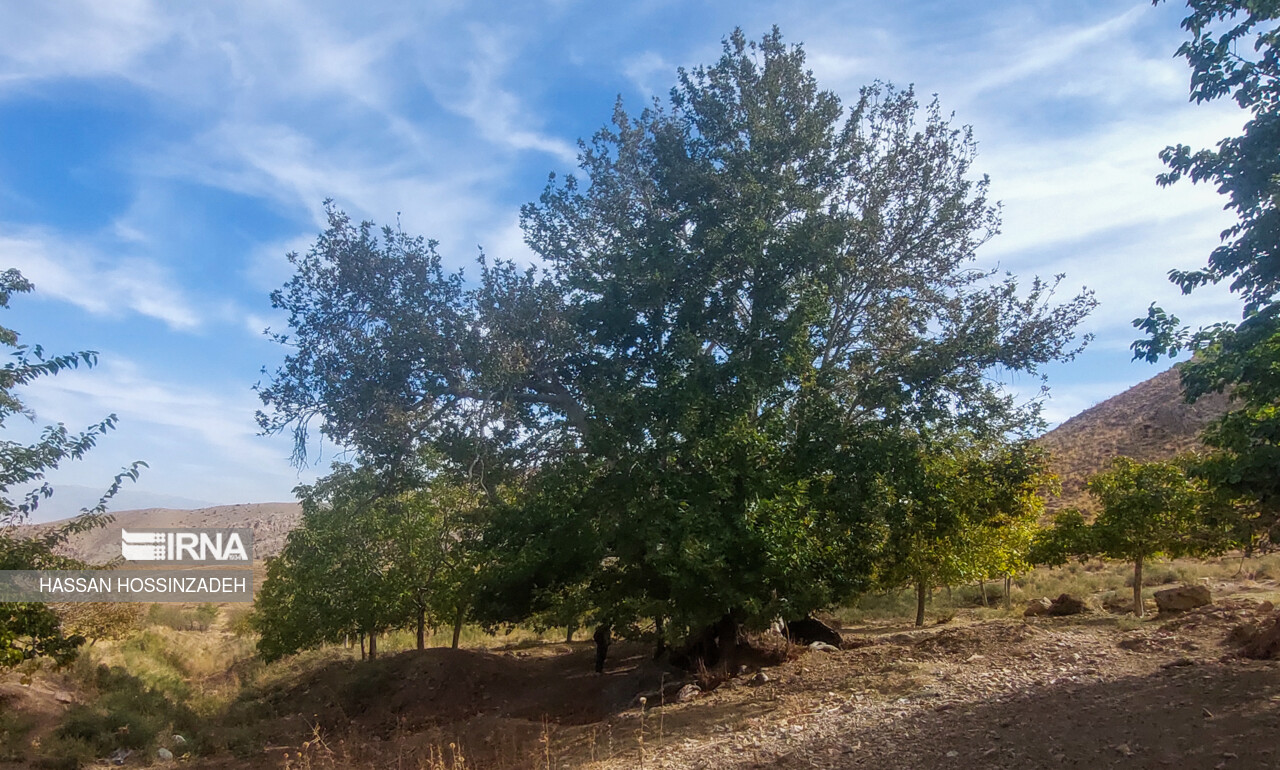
<point x="494" y="707"/>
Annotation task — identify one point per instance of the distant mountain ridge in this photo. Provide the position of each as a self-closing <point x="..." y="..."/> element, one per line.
<point x="69" y="499"/>
<point x="1150" y="421"/>
<point x="270" y="522"/>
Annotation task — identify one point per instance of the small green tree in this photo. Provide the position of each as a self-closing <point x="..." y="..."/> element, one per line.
<point x="367" y="560"/>
<point x="963" y="514"/>
<point x="1148" y="511"/>
<point x="332" y="579"/>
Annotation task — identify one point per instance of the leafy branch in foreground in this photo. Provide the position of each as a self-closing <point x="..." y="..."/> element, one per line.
<point x="30" y="630"/>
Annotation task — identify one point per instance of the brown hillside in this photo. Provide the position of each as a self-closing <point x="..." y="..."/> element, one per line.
<point x="1149" y="421"/>
<point x="270" y="522"/>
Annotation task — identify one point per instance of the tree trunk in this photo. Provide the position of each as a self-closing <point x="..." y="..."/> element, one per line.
<point x="569" y="631"/>
<point x="1137" y="588"/>
<point x="362" y="645"/>
<point x="982" y="586"/>
<point x="602" y="637"/>
<point x="422" y="628"/>
<point x="949" y="600"/>
<point x="457" y="625"/>
<point x="660" y="632"/>
<point x="373" y="645"/>
<point x="922" y="593"/>
<point x="1008" y="589"/>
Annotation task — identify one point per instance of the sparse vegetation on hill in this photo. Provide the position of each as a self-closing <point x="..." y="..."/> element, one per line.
<point x="1150" y="421"/>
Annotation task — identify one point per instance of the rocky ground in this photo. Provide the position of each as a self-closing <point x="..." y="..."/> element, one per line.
<point x="1051" y="692"/>
<point x="1087" y="690"/>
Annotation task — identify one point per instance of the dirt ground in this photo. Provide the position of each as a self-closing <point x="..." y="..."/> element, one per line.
<point x="1096" y="690"/>
<point x="1064" y="692"/>
<point x="1008" y="693"/>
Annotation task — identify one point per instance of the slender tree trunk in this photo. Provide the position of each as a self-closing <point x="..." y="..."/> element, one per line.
<point x="1008" y="589"/>
<point x="949" y="599"/>
<point x="373" y="645"/>
<point x="569" y="631"/>
<point x="457" y="625"/>
<point x="422" y="628"/>
<point x="1138" y="609"/>
<point x="982" y="586"/>
<point x="922" y="593"/>
<point x="602" y="637"/>
<point x="362" y="645"/>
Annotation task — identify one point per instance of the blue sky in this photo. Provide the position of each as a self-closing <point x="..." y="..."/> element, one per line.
<point x="158" y="160"/>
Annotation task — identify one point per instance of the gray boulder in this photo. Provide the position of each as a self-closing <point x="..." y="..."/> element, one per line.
<point x="1182" y="598"/>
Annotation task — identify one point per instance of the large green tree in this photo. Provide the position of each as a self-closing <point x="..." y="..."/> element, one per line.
<point x="749" y="292"/>
<point x="1233" y="54"/>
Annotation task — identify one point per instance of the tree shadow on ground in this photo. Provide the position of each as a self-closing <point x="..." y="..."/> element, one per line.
<point x="1221" y="715"/>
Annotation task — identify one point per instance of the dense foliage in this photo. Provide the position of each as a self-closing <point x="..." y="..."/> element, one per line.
<point x="749" y="305"/>
<point x="1232" y="53"/>
<point x="964" y="513"/>
<point x="367" y="560"/>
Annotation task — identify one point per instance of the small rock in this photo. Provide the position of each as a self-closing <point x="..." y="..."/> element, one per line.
<point x="164" y="754"/>
<point x="1037" y="607"/>
<point x="953" y="754"/>
<point x="1182" y="598"/>
<point x="62" y="696"/>
<point x="759" y="679"/>
<point x="688" y="693"/>
<point x="824" y="647"/>
<point x="118" y="756"/>
<point x="178" y="740"/>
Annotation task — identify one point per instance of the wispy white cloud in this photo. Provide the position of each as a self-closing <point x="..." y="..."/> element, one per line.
<point x="94" y="280"/>
<point x="649" y="72"/>
<point x="198" y="441"/>
<point x="493" y="109"/>
<point x="1031" y="56"/>
<point x="81" y="38"/>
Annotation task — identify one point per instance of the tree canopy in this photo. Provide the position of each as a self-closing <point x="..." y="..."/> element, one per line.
<point x="744" y="303"/>
<point x="1233" y="54"/>
<point x="1148" y="511"/>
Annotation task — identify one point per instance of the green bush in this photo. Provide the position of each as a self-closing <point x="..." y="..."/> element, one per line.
<point x="126" y="714"/>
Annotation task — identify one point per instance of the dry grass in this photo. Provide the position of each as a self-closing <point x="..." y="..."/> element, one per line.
<point x="1104" y="582"/>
